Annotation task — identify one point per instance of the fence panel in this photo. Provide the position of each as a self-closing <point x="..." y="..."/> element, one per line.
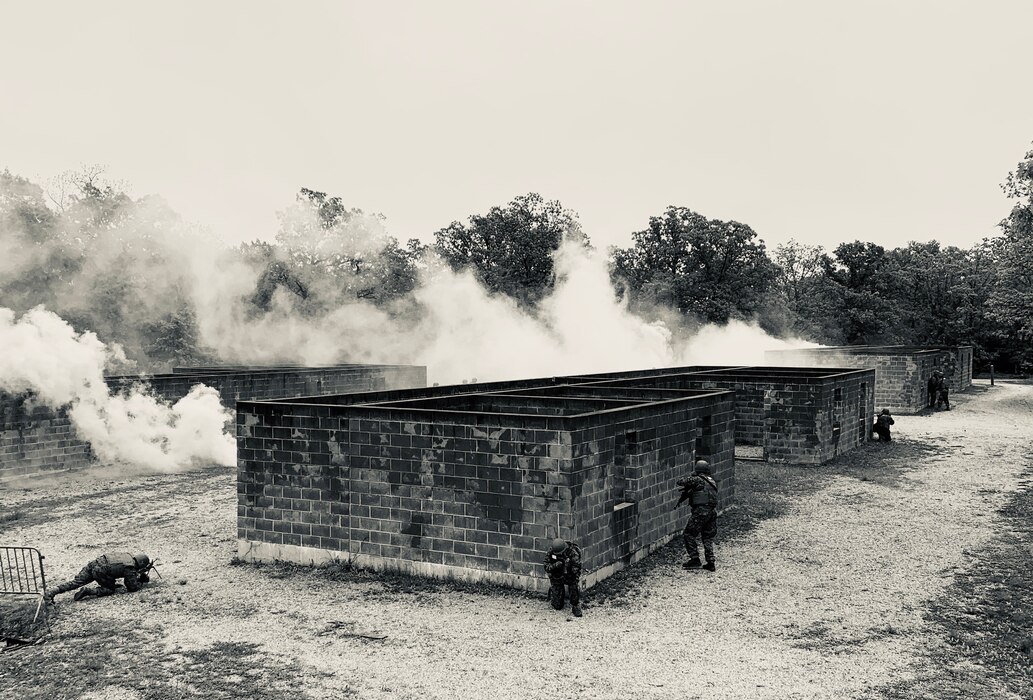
<point x="21" y="573"/>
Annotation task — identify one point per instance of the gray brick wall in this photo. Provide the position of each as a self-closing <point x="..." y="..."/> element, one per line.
<point x="34" y="440"/>
<point x="469" y="495"/>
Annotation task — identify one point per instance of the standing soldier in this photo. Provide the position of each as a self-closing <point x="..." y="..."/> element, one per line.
<point x="132" y="568"/>
<point x="882" y="425"/>
<point x="563" y="564"/>
<point x="934" y="388"/>
<point x="701" y="491"/>
<point x="943" y="394"/>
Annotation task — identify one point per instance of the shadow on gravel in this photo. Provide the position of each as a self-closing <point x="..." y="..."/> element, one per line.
<point x="984" y="618"/>
<point x="77" y="490"/>
<point x="886" y="463"/>
<point x="99" y="655"/>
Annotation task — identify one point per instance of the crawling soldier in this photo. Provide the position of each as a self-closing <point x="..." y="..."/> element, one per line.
<point x="563" y="564"/>
<point x="131" y="568"/>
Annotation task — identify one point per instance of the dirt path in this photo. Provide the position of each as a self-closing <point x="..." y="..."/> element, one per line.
<point x="826" y="600"/>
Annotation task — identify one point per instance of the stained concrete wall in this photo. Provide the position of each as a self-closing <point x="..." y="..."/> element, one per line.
<point x="798" y="415"/>
<point x="35" y="439"/>
<point x="467" y="488"/>
<point x="902" y="372"/>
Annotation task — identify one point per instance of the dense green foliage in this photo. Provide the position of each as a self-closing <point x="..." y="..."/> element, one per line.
<point x="115" y="265"/>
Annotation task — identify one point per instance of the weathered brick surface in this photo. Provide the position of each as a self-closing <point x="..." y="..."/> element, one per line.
<point x="476" y="486"/>
<point x="793" y="413"/>
<point x="902" y="372"/>
<point x="36" y="439"/>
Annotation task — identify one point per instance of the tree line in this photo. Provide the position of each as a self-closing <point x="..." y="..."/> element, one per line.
<point x="101" y="259"/>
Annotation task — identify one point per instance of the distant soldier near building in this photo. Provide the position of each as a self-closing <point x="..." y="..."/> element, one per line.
<point x="882" y="425"/>
<point x="131" y="568"/>
<point x="943" y="394"/>
<point x="700" y="490"/>
<point x="934" y="388"/>
<point x="563" y="564"/>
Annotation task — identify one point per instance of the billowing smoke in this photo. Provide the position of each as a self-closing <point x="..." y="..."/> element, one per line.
<point x="45" y="358"/>
<point x="462" y="332"/>
<point x="132" y="272"/>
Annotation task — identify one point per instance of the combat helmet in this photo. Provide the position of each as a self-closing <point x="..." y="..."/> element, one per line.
<point x="558" y="545"/>
<point x="702" y="467"/>
<point x="142" y="561"/>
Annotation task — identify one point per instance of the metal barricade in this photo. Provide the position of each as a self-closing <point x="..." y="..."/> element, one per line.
<point x="21" y="573"/>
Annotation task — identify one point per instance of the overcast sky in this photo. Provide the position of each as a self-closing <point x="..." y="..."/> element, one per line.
<point x="884" y="121"/>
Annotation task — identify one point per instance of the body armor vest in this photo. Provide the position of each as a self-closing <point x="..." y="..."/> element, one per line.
<point x="708" y="495"/>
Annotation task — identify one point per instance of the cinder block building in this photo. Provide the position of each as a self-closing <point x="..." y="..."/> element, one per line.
<point x="902" y="371"/>
<point x="35" y="439"/>
<point x="473" y="481"/>
<point x="473" y="484"/>
<point x="795" y="415"/>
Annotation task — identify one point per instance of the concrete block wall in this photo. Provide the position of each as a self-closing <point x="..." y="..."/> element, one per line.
<point x="35" y="440"/>
<point x="257" y="383"/>
<point x="625" y="474"/>
<point x="901" y="376"/>
<point x="405" y="492"/>
<point x="790" y="412"/>
<point x="453" y="493"/>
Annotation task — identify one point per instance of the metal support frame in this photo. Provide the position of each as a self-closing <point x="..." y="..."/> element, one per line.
<point x="21" y="573"/>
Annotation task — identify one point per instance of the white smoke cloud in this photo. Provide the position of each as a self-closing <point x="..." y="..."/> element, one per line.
<point x="463" y="332"/>
<point x="44" y="356"/>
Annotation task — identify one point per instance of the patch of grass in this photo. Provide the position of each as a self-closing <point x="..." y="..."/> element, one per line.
<point x="92" y="654"/>
<point x="16" y="613"/>
<point x="985" y="617"/>
<point x="11" y="517"/>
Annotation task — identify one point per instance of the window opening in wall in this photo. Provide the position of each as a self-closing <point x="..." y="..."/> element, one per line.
<point x="704" y="438"/>
<point x="837" y="395"/>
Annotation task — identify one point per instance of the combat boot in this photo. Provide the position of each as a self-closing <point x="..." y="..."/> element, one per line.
<point x="693" y="563"/>
<point x="710" y="566"/>
<point x="576" y="609"/>
<point x="82" y="593"/>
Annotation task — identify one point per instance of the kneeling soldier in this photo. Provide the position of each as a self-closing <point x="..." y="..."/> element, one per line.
<point x="701" y="491"/>
<point x="882" y="426"/>
<point x="131" y="568"/>
<point x="563" y="564"/>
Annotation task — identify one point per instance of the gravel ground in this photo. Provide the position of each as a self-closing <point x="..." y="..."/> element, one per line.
<point x="824" y="589"/>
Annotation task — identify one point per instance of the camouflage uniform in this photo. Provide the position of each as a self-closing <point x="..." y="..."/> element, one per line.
<point x="882" y="427"/>
<point x="934" y="389"/>
<point x="564" y="569"/>
<point x="702" y="492"/>
<point x="104" y="570"/>
<point x="943" y="394"/>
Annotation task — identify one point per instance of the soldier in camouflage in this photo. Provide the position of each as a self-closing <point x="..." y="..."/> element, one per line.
<point x="563" y="564"/>
<point x="700" y="490"/>
<point x="934" y="388"/>
<point x="131" y="568"/>
<point x="882" y="426"/>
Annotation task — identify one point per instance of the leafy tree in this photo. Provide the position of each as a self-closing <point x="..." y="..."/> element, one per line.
<point x="1011" y="302"/>
<point x="713" y="269"/>
<point x="510" y="248"/>
<point x="868" y="304"/>
<point x="332" y="254"/>
<point x="811" y="299"/>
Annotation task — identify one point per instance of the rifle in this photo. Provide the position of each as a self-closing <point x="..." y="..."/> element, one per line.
<point x="686" y="493"/>
<point x="151" y="567"/>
